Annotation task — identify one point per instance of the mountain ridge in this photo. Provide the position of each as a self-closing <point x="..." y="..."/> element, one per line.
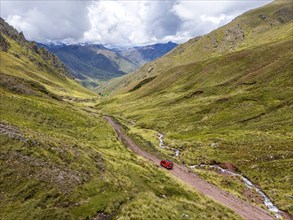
<point x="92" y="64"/>
<point x="223" y="40"/>
<point x="52" y="60"/>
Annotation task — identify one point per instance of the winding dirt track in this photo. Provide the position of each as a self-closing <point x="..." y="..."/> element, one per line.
<point x="244" y="209"/>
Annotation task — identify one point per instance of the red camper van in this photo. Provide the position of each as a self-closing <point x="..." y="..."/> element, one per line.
<point x="167" y="164"/>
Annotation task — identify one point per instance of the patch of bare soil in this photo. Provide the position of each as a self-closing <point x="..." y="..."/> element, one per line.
<point x="228" y="166"/>
<point x="11" y="131"/>
<point x="252" y="196"/>
<point x="103" y="216"/>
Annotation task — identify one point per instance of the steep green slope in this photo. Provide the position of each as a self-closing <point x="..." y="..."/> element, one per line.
<point x="223" y="97"/>
<point x="267" y="24"/>
<point x="61" y="160"/>
<point x="25" y="60"/>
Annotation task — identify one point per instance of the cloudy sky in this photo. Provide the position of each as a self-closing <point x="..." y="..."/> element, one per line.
<point x="121" y="22"/>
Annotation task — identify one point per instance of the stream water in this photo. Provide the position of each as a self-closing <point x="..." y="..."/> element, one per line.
<point x="162" y="145"/>
<point x="266" y="200"/>
<point x="161" y="137"/>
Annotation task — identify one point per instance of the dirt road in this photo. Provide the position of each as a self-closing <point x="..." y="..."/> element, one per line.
<point x="244" y="209"/>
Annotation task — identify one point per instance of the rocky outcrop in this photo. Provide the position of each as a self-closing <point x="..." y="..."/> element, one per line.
<point x="284" y="14"/>
<point x="4" y="45"/>
<point x="10" y="32"/>
<point x="11" y="131"/>
<point x="233" y="36"/>
<point x="52" y="58"/>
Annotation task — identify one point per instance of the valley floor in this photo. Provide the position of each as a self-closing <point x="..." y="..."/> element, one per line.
<point x="246" y="210"/>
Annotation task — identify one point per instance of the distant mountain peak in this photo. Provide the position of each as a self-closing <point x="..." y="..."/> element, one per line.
<point x="144" y="54"/>
<point x="93" y="63"/>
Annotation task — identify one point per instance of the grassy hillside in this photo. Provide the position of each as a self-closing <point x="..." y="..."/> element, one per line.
<point x="59" y="159"/>
<point x="24" y="60"/>
<point x="223" y="97"/>
<point x="267" y="24"/>
<point x="60" y="162"/>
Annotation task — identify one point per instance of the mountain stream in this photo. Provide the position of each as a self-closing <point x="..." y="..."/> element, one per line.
<point x="266" y="200"/>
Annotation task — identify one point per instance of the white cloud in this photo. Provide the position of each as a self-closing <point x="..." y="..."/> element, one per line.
<point x="216" y="20"/>
<point x="201" y="17"/>
<point x="121" y="22"/>
<point x="47" y="20"/>
<point x="131" y="22"/>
